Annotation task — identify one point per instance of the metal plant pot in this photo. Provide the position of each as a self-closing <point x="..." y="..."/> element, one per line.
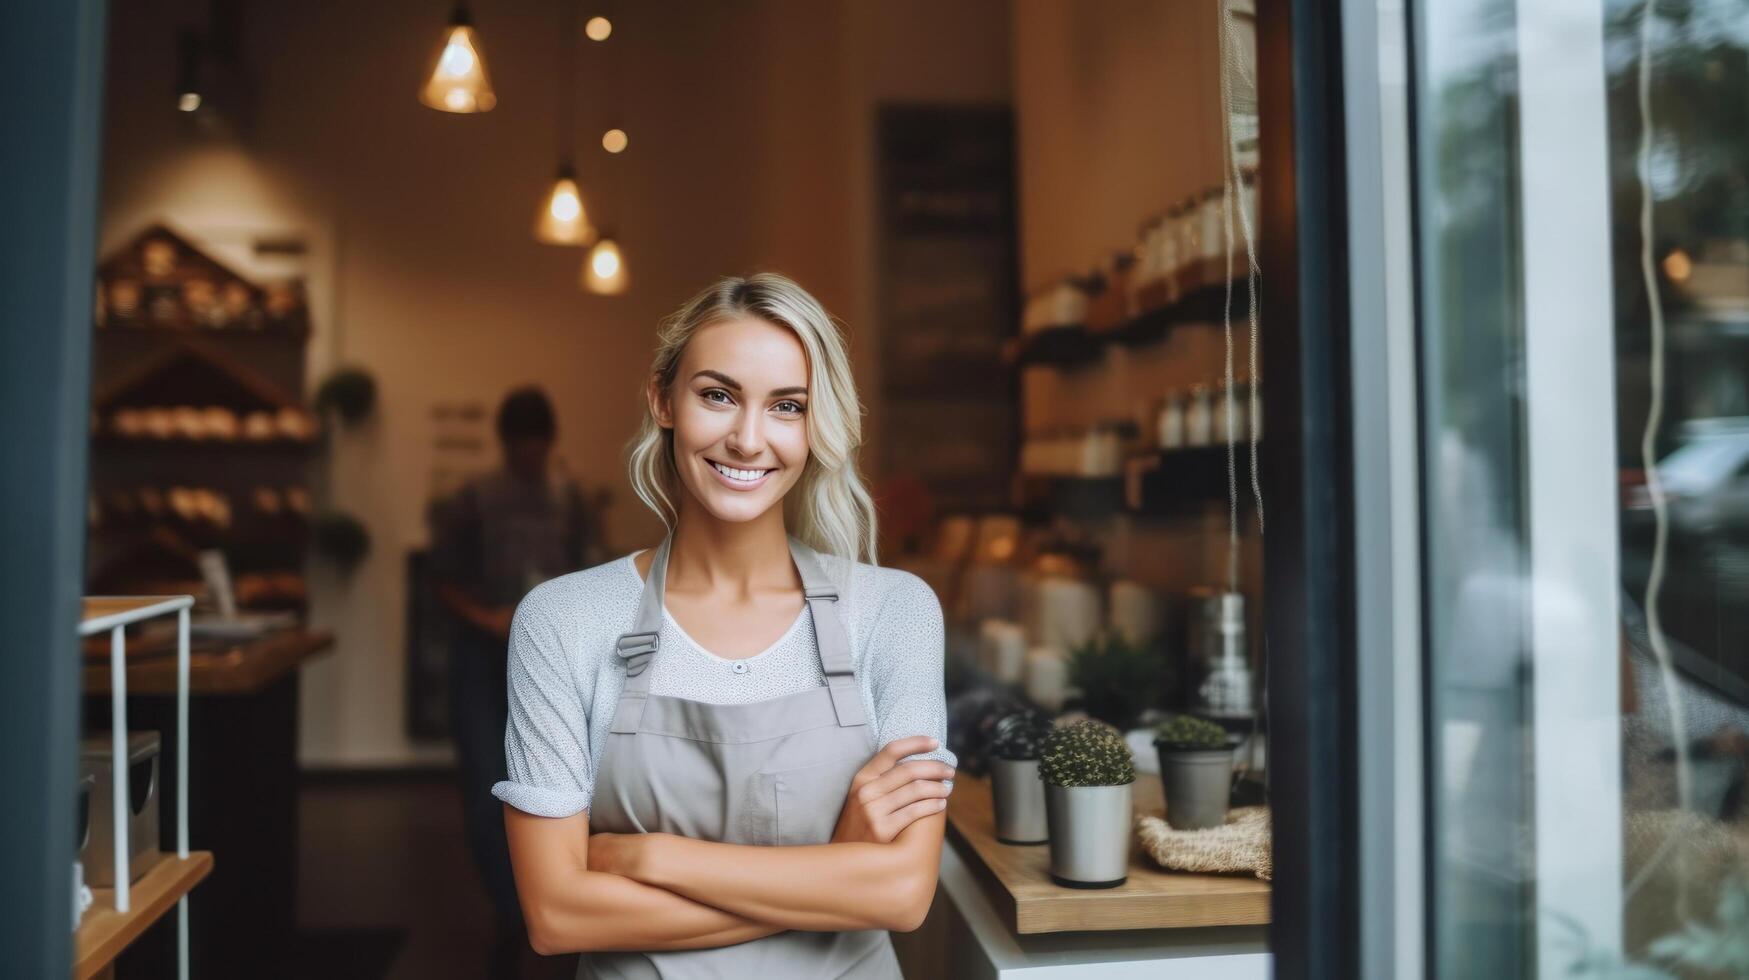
<point x="1196" y="783"/>
<point x="1090" y="834"/>
<point x="1019" y="796"/>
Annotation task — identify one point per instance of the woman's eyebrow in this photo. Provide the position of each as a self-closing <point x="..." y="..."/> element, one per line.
<point x="736" y="385"/>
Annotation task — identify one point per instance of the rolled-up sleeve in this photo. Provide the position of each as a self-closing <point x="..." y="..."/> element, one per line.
<point x="546" y="741"/>
<point x="904" y="660"/>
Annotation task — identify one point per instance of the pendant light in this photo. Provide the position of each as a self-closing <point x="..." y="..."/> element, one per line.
<point x="604" y="268"/>
<point x="458" y="81"/>
<point x="562" y="219"/>
<point x="604" y="271"/>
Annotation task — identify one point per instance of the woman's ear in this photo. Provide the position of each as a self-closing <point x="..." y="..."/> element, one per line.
<point x="660" y="407"/>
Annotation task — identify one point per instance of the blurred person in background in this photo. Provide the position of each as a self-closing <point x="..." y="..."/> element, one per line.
<point x="499" y="535"/>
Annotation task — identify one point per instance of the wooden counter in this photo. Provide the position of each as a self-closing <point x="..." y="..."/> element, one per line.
<point x="1017" y="878"/>
<point x="236" y="667"/>
<point x="103" y="932"/>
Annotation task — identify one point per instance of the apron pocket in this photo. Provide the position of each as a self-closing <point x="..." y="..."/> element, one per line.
<point x="805" y="801"/>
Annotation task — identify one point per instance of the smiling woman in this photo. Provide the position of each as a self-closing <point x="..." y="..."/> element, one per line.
<point x="761" y="365"/>
<point x="726" y="752"/>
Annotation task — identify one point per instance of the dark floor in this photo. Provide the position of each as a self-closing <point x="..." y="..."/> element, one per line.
<point x="386" y="887"/>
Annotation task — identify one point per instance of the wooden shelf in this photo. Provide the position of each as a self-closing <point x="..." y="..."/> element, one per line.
<point x="1202" y="304"/>
<point x="236" y="668"/>
<point x="1017" y="878"/>
<point x="1041" y="496"/>
<point x="1163" y="483"/>
<point x="1074" y="345"/>
<point x="103" y="932"/>
<point x="1066" y="345"/>
<point x="97" y="607"/>
<point x="294" y="331"/>
<point x="219" y="446"/>
<point x="1169" y="481"/>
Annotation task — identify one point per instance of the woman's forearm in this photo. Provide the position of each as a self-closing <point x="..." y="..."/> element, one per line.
<point x="819" y="887"/>
<point x="600" y="911"/>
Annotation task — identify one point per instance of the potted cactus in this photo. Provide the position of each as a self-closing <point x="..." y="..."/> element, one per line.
<point x="1015" y="788"/>
<point x="1196" y="771"/>
<point x="1087" y="771"/>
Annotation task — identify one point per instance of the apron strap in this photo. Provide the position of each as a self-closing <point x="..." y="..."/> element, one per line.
<point x="829" y="637"/>
<point x="637" y="647"/>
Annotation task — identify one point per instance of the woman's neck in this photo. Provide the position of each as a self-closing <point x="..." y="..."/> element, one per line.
<point x="730" y="559"/>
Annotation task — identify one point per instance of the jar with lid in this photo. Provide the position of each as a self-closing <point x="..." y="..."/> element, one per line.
<point x="1108" y="450"/>
<point x="1198" y="417"/>
<point x="1167" y="245"/>
<point x="1143" y="270"/>
<point x="1189" y="236"/>
<point x="1170" y="434"/>
<point x="1211" y="218"/>
<point x="1218" y="420"/>
<point x="1242" y="411"/>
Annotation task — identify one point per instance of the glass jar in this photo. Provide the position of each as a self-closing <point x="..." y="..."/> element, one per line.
<point x="1211" y="218"/>
<point x="1199" y="417"/>
<point x="1189" y="234"/>
<point x="1171" y="426"/>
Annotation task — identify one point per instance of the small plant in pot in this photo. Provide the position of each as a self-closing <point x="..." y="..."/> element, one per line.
<point x="1015" y="788"/>
<point x="1196" y="771"/>
<point x="1087" y="771"/>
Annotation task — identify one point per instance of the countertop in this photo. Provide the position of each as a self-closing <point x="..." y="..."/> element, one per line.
<point x="1018" y="883"/>
<point x="229" y="667"/>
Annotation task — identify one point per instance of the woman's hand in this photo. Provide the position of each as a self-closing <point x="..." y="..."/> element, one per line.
<point x="886" y="795"/>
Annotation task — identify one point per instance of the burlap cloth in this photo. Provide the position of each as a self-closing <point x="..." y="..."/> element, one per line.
<point x="1239" y="845"/>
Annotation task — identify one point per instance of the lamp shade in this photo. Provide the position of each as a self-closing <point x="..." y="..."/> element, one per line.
<point x="562" y="219"/>
<point x="604" y="271"/>
<point x="458" y="81"/>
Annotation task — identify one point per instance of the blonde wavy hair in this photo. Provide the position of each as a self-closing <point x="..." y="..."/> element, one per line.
<point x="828" y="509"/>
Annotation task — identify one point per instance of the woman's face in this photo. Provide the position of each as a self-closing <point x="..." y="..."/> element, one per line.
<point x="738" y="409"/>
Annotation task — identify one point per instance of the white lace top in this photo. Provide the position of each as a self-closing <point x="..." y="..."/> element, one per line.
<point x="564" y="685"/>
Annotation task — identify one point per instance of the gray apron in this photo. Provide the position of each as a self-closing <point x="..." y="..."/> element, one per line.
<point x="773" y="772"/>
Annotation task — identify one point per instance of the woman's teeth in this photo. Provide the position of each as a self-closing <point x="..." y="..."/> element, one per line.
<point x="745" y="476"/>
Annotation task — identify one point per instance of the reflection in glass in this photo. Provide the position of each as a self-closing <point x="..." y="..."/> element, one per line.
<point x="1679" y="146"/>
<point x="1676" y="82"/>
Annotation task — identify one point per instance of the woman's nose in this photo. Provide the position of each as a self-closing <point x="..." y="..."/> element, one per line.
<point x="747" y="438"/>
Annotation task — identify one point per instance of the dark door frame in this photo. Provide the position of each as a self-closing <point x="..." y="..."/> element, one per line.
<point x="51" y="95"/>
<point x="1309" y="566"/>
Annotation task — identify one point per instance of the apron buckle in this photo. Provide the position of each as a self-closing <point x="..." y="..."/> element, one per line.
<point x="636" y="649"/>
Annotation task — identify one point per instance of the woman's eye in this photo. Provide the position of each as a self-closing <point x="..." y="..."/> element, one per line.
<point x="791" y="407"/>
<point x="708" y="392"/>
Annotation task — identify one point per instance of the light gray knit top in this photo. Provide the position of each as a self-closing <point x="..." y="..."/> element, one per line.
<point x="564" y="683"/>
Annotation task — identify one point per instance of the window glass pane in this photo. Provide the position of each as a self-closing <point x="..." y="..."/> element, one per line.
<point x="1472" y="381"/>
<point x="1679" y="156"/>
<point x="1557" y="709"/>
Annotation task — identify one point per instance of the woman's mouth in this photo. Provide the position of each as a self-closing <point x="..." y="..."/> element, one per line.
<point x="736" y="478"/>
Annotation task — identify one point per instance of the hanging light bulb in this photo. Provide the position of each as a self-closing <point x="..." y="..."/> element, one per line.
<point x="458" y="80"/>
<point x="562" y="219"/>
<point x="598" y="28"/>
<point x="604" y="271"/>
<point x="614" y="140"/>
